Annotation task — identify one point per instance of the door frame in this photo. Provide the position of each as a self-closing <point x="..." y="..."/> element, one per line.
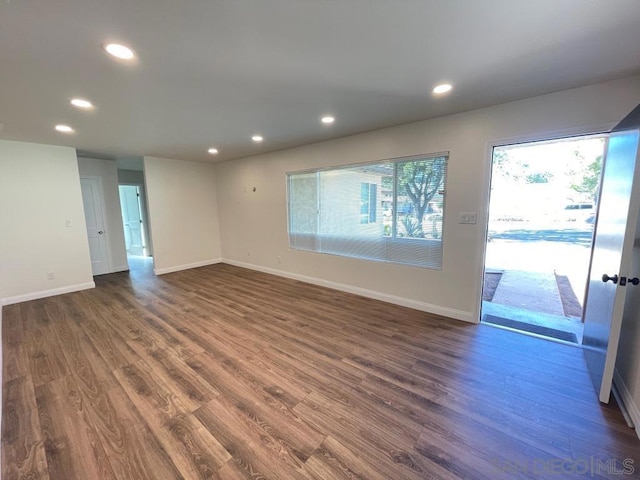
<point x="143" y="227"/>
<point x="143" y="214"/>
<point x="104" y="216"/>
<point x="483" y="213"/>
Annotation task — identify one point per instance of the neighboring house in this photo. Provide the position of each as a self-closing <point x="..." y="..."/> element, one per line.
<point x="356" y="210"/>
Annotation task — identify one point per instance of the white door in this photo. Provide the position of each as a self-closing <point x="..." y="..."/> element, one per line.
<point x="612" y="256"/>
<point x="131" y="218"/>
<point x="96" y="229"/>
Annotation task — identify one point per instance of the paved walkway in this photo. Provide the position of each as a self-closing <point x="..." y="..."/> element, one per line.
<point x="531" y="297"/>
<point x="536" y="291"/>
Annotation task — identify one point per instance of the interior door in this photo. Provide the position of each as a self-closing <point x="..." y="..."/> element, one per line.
<point x="94" y="217"/>
<point x="132" y="219"/>
<point x="609" y="277"/>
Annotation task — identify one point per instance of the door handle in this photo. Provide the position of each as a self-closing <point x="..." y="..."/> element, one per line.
<point x="614" y="279"/>
<point x="634" y="280"/>
<point x="100" y="232"/>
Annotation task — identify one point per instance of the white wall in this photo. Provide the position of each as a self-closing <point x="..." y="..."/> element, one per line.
<point x="108" y="172"/>
<point x="39" y="193"/>
<point x="254" y="224"/>
<point x="183" y="213"/>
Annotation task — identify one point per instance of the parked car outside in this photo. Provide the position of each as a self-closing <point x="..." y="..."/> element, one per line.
<point x="578" y="212"/>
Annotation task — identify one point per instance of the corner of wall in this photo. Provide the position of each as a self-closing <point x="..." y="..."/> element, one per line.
<point x="177" y="193"/>
<point x="177" y="268"/>
<point x="50" y="251"/>
<point x="628" y="406"/>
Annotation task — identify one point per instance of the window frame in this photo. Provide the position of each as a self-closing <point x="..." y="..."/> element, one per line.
<point x="392" y="240"/>
<point x="369" y="216"/>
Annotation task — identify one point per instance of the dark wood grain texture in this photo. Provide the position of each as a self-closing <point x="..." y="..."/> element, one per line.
<point x="225" y="373"/>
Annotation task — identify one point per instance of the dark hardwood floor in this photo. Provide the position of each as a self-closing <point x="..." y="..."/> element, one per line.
<point x="221" y="372"/>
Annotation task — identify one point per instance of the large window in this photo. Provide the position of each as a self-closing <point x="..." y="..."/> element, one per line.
<point x="390" y="211"/>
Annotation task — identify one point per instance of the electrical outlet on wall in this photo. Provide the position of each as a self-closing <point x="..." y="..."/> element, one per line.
<point x="468" y="218"/>
<point x="51" y="275"/>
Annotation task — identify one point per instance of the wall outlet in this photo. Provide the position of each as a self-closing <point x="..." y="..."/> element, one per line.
<point x="468" y="218"/>
<point x="279" y="259"/>
<point x="51" y="275"/>
<point x="248" y="253"/>
<point x="69" y="223"/>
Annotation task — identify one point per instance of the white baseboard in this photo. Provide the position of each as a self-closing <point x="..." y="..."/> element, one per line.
<point x="628" y="405"/>
<point x="120" y="269"/>
<point x="405" y="302"/>
<point x="47" y="293"/>
<point x="177" y="268"/>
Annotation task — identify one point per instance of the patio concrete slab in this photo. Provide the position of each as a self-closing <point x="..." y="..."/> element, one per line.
<point x="535" y="291"/>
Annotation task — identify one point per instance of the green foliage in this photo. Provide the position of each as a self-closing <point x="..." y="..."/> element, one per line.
<point x="587" y="183"/>
<point x="539" y="177"/>
<point x="580" y="174"/>
<point x="387" y="183"/>
<point x="508" y="168"/>
<point x="420" y="181"/>
<point x="412" y="228"/>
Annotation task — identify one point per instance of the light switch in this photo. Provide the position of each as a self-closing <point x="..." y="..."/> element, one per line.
<point x="468" y="218"/>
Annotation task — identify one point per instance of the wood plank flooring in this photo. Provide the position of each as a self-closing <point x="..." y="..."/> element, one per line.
<point x="225" y="373"/>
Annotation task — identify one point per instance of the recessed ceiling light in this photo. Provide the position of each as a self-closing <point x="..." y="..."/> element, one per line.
<point x="213" y="151"/>
<point x="119" y="51"/>
<point x="328" y="119"/>
<point x="442" y="88"/>
<point x="257" y="138"/>
<point x="81" y="103"/>
<point x="64" y="128"/>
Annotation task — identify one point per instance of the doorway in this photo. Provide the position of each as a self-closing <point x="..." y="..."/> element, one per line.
<point x="542" y="211"/>
<point x="134" y="231"/>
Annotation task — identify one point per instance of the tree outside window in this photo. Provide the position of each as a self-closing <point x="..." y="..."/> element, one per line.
<point x="416" y="211"/>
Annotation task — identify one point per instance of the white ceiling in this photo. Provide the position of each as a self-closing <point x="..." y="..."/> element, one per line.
<point x="213" y="73"/>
